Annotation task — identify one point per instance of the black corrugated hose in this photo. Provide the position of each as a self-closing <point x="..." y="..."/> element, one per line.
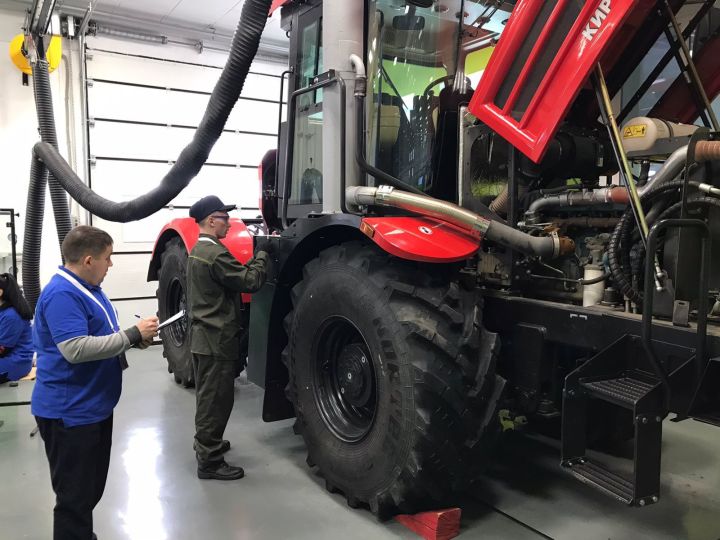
<point x="622" y="241"/>
<point x="36" y="191"/>
<point x="48" y="134"/>
<point x="224" y="96"/>
<point x="33" y="232"/>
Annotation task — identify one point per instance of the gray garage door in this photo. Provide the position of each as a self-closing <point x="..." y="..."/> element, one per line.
<point x="143" y="109"/>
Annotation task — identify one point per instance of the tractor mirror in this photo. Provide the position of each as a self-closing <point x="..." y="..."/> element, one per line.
<point x="413" y="23"/>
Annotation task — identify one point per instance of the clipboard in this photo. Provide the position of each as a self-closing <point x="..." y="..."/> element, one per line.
<point x="179" y="315"/>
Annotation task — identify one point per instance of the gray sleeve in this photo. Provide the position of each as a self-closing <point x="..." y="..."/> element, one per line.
<point x="92" y="348"/>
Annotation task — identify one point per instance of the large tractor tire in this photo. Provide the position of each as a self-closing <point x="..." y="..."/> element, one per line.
<point x="392" y="377"/>
<point x="171" y="299"/>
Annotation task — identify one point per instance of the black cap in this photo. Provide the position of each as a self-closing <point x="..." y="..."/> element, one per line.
<point x="207" y="205"/>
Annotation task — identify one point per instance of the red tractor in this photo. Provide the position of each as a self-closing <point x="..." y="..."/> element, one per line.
<point x="539" y="250"/>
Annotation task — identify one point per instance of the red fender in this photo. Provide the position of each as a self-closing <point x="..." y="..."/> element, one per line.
<point x="239" y="242"/>
<point x="420" y="239"/>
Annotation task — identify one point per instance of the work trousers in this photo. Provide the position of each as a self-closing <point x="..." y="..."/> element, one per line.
<point x="214" y="395"/>
<point x="79" y="458"/>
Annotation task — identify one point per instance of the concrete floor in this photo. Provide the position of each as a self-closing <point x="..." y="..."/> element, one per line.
<point x="153" y="493"/>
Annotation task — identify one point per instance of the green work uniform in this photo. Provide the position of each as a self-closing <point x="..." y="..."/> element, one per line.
<point x="215" y="280"/>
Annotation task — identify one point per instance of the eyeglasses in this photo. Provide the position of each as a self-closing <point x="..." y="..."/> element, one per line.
<point x="224" y="218"/>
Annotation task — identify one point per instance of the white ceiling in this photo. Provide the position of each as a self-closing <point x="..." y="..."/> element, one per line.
<point x="206" y="16"/>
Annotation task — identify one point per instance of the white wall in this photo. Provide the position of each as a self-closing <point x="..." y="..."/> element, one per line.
<point x="18" y="133"/>
<point x="144" y="100"/>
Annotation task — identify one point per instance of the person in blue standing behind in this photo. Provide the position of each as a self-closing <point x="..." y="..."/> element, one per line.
<point x="80" y="358"/>
<point x="16" y="351"/>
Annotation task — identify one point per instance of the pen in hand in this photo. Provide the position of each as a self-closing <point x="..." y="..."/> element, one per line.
<point x="150" y="321"/>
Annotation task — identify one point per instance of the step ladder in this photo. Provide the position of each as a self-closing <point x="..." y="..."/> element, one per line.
<point x="650" y="380"/>
<point x="616" y="375"/>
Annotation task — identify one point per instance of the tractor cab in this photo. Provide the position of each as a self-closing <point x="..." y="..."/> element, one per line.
<point x="416" y="87"/>
<point x="420" y="65"/>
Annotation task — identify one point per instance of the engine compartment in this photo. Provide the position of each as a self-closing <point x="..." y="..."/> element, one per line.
<point x="574" y="192"/>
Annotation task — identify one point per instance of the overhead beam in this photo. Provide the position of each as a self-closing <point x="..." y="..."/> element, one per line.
<point x="175" y="30"/>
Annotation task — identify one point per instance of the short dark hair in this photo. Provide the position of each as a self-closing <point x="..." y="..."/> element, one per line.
<point x="84" y="240"/>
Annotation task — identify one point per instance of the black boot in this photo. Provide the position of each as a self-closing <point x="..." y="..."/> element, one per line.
<point x="219" y="471"/>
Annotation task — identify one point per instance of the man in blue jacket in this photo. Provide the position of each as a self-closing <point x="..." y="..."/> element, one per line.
<point x="80" y="358"/>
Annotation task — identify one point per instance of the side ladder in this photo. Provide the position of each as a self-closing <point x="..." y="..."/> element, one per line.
<point x="609" y="377"/>
<point x="630" y="374"/>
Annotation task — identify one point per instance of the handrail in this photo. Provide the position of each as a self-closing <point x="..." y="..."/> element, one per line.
<point x="652" y="244"/>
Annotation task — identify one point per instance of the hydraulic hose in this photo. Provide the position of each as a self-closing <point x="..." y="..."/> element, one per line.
<point x="46" y="156"/>
<point x="669" y="212"/>
<point x="621" y="241"/>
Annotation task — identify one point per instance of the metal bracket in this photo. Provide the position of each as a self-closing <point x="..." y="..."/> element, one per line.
<point x="681" y="313"/>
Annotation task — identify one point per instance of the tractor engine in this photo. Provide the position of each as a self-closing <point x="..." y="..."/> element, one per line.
<point x="574" y="192"/>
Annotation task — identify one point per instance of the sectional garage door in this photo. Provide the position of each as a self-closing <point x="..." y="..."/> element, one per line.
<point x="143" y="109"/>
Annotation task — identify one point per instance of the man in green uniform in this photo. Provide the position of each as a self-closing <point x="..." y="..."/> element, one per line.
<point x="215" y="280"/>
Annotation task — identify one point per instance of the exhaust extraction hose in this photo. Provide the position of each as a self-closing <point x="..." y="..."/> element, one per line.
<point x="224" y="96"/>
<point x="39" y="177"/>
<point x="33" y="232"/>
<point x="48" y="134"/>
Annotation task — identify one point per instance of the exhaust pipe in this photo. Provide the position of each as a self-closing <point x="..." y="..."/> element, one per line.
<point x="611" y="194"/>
<point x="548" y="247"/>
<point x="672" y="167"/>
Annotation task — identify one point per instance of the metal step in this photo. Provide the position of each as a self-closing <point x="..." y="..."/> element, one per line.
<point x="607" y="481"/>
<point x="712" y="418"/>
<point x="623" y="391"/>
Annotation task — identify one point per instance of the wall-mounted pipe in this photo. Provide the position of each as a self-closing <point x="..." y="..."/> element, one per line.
<point x="127" y="33"/>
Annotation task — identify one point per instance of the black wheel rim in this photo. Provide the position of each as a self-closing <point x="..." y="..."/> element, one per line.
<point x="174" y="303"/>
<point x="345" y="385"/>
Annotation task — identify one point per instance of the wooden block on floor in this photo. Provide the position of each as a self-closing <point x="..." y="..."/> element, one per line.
<point x="435" y="525"/>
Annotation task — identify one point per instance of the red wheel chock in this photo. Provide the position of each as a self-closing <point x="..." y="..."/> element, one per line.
<point x="435" y="525"/>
